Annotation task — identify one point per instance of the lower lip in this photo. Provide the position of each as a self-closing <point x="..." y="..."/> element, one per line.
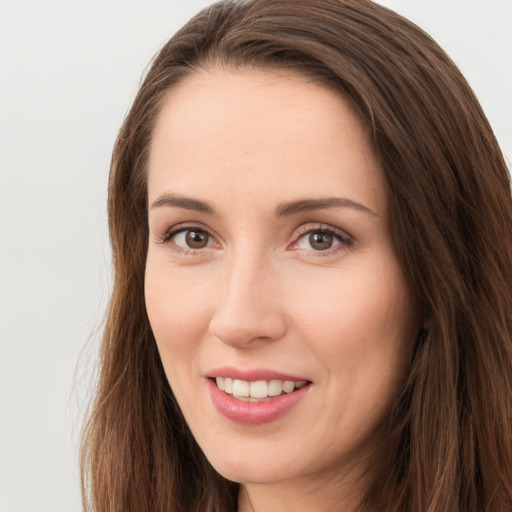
<point x="254" y="413"/>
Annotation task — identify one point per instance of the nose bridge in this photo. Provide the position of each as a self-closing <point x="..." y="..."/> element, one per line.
<point x="246" y="307"/>
<point x="248" y="272"/>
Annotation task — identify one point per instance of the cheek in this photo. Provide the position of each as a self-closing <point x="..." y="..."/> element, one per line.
<point x="178" y="312"/>
<point x="361" y="321"/>
<point x="360" y="330"/>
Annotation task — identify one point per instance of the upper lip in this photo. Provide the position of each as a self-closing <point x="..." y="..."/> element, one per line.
<point x="251" y="375"/>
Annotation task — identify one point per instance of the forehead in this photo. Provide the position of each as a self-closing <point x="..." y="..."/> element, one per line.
<point x="237" y="129"/>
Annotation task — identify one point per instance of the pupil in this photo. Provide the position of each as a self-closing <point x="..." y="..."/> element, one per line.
<point x="197" y="239"/>
<point x="320" y="241"/>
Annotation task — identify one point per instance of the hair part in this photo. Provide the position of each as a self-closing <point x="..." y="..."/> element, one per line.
<point x="450" y="444"/>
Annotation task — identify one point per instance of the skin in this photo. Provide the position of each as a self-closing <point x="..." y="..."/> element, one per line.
<point x="259" y="295"/>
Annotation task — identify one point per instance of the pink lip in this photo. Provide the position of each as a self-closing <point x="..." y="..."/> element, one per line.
<point x="254" y="413"/>
<point x="252" y="375"/>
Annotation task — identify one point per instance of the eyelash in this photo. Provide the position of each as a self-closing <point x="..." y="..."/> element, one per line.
<point x="169" y="235"/>
<point x="344" y="239"/>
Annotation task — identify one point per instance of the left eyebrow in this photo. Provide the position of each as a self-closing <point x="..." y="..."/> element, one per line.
<point x="309" y="205"/>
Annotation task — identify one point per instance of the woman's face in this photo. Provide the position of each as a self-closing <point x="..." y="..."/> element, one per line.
<point x="270" y="268"/>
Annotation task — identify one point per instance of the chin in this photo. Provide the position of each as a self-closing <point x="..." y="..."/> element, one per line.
<point x="244" y="469"/>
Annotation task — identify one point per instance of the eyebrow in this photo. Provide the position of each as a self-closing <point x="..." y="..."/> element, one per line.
<point x="282" y="210"/>
<point x="309" y="205"/>
<point x="186" y="203"/>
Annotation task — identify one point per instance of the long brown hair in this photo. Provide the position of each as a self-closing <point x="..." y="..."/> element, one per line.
<point x="450" y="442"/>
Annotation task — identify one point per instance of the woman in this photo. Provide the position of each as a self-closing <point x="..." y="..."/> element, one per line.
<point x="311" y="229"/>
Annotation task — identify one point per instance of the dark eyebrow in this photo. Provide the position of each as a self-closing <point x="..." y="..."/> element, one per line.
<point x="182" y="202"/>
<point x="308" y="205"/>
<point x="283" y="210"/>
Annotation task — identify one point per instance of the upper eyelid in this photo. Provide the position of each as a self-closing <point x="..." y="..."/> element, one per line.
<point x="312" y="227"/>
<point x="168" y="233"/>
<point x="183" y="226"/>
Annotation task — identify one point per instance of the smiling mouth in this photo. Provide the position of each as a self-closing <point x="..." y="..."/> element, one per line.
<point x="259" y="390"/>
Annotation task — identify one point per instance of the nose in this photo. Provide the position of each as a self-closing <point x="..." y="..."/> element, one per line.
<point x="248" y="308"/>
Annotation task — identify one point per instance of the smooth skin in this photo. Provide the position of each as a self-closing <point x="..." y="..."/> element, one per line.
<point x="269" y="248"/>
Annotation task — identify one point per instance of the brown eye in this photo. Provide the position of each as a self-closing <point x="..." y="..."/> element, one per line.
<point x="196" y="238"/>
<point x="320" y="241"/>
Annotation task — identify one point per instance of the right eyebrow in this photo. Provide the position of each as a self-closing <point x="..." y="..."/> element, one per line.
<point x="184" y="202"/>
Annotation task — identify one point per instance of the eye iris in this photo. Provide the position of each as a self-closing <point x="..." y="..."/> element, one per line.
<point x="320" y="241"/>
<point x="197" y="239"/>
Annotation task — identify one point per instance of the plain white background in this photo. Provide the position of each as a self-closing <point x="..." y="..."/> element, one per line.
<point x="68" y="72"/>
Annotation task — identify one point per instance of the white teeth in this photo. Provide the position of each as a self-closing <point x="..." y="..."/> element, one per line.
<point x="220" y="383"/>
<point x="240" y="388"/>
<point x="259" y="389"/>
<point x="228" y="385"/>
<point x="275" y="388"/>
<point x="288" y="386"/>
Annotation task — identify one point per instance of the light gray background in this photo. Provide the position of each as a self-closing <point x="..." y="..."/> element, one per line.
<point x="68" y="72"/>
